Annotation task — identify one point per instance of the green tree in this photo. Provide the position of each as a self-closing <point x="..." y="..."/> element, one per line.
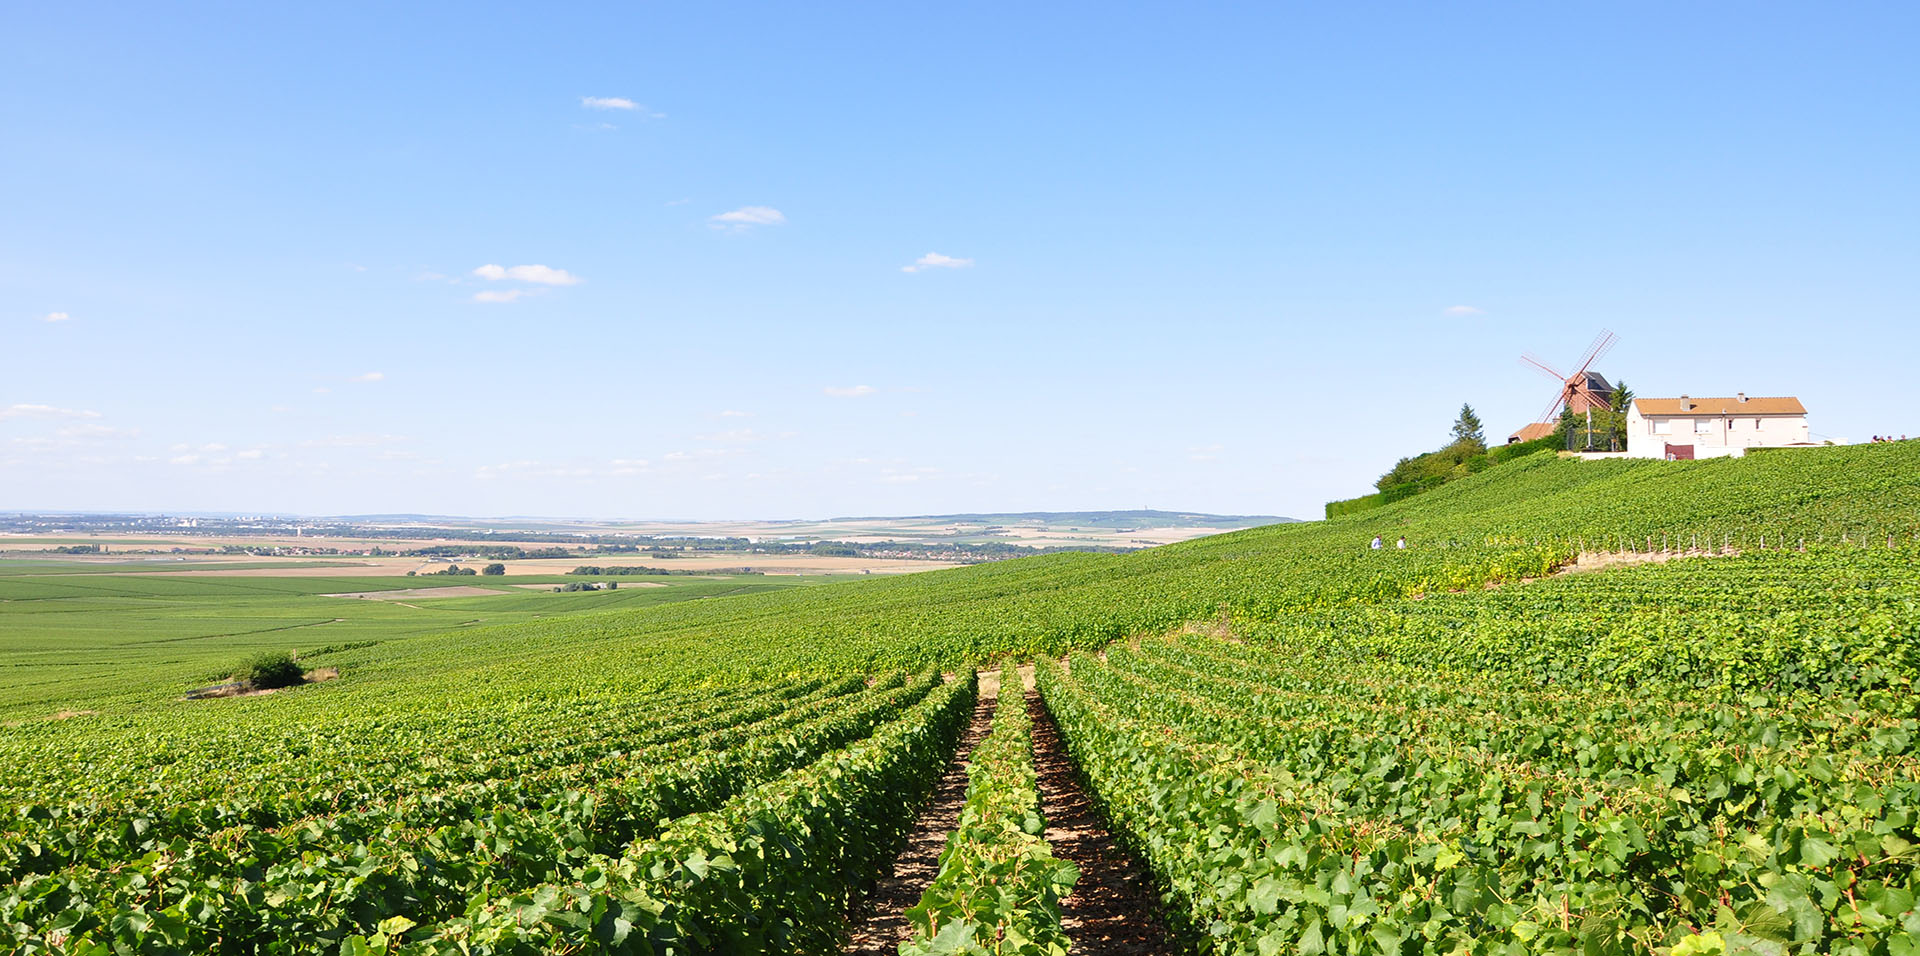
<point x="1618" y="403"/>
<point x="495" y="568"/>
<point x="1467" y="429"/>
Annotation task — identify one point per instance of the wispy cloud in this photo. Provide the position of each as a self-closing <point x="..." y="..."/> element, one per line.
<point x="55" y="317"/>
<point x="934" y="260"/>
<point x="746" y="217"/>
<point x="368" y="377"/>
<point x="679" y="202"/>
<point x="854" y="391"/>
<point x="1463" y="310"/>
<point x="539" y="275"/>
<point x="499" y="295"/>
<point x="43" y="411"/>
<point x="733" y="413"/>
<point x="1205" y="452"/>
<point x="620" y="103"/>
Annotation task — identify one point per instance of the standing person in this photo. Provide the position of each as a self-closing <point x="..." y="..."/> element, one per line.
<point x="1402" y="543"/>
<point x="1376" y="545"/>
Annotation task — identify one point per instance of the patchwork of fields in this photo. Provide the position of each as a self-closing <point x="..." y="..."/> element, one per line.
<point x="1312" y="747"/>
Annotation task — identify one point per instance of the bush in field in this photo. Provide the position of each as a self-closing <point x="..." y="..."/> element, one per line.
<point x="271" y="669"/>
<point x="495" y="568"/>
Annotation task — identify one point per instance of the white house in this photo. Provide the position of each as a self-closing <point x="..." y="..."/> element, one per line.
<point x="1686" y="428"/>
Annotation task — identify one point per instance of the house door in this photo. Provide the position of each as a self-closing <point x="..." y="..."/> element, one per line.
<point x="1679" y="452"/>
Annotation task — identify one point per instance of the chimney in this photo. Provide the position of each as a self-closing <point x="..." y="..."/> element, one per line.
<point x="1686" y="404"/>
<point x="1742" y="396"/>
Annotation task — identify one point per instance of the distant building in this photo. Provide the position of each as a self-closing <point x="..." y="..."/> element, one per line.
<point x="1685" y="428"/>
<point x="1531" y="431"/>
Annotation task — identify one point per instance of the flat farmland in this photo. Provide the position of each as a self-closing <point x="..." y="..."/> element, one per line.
<point x="114" y="636"/>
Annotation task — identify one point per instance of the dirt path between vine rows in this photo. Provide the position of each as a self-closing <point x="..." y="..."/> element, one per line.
<point x="1113" y="910"/>
<point x="879" y="923"/>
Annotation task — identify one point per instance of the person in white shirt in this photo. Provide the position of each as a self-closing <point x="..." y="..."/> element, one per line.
<point x="1376" y="545"/>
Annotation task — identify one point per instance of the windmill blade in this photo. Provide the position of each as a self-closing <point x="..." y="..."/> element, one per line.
<point x="1537" y="362"/>
<point x="1553" y="411"/>
<point x="1601" y="343"/>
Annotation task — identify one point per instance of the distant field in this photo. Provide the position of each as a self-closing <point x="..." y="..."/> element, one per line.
<point x="1067" y="529"/>
<point x="66" y="633"/>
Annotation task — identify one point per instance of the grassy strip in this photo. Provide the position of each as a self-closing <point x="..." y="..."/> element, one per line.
<point x="999" y="886"/>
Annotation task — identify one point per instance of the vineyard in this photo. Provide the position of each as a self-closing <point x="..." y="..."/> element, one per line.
<point x="1310" y="747"/>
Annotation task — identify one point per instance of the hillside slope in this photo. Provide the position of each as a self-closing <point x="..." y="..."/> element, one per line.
<point x="576" y="784"/>
<point x="1515" y="521"/>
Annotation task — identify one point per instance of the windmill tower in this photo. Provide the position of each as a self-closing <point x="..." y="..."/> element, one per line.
<point x="1583" y="391"/>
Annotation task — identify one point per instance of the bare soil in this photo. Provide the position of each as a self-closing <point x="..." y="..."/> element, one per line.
<point x="1113" y="910"/>
<point x="243" y="689"/>
<point x="879" y="920"/>
<point x="1601" y="560"/>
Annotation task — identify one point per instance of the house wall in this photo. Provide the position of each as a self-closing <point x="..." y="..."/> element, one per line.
<point x="1712" y="436"/>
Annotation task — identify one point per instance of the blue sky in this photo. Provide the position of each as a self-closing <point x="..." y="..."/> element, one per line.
<point x="1230" y="258"/>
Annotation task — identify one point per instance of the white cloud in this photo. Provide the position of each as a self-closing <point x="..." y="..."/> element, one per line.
<point x="540" y="275"/>
<point x="55" y="317"/>
<point x="618" y="103"/>
<point x="934" y="260"/>
<point x="856" y="391"/>
<point x="679" y="202"/>
<point x="249" y="455"/>
<point x="1464" y="310"/>
<point x="499" y="295"/>
<point x="44" y="411"/>
<point x="747" y="216"/>
<point x="733" y="413"/>
<point x="1205" y="452"/>
<point x="368" y="377"/>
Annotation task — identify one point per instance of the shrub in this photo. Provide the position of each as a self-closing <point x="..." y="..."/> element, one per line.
<point x="494" y="569"/>
<point x="271" y="669"/>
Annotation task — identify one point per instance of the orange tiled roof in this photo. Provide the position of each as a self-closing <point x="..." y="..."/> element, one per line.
<point x="1534" y="430"/>
<point x="1754" y="405"/>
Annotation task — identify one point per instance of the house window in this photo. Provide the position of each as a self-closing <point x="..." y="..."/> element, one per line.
<point x="1702" y="426"/>
<point x="1756" y="424"/>
<point x="1663" y="426"/>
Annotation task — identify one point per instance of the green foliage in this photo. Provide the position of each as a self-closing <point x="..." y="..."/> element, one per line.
<point x="1467" y="428"/>
<point x="494" y="569"/>
<point x="1394" y="757"/>
<point x="1351" y="506"/>
<point x="1506" y="453"/>
<point x="1276" y="795"/>
<point x="999" y="886"/>
<point x="271" y="669"/>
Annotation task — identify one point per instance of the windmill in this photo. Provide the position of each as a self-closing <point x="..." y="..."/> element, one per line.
<point x="1582" y="392"/>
